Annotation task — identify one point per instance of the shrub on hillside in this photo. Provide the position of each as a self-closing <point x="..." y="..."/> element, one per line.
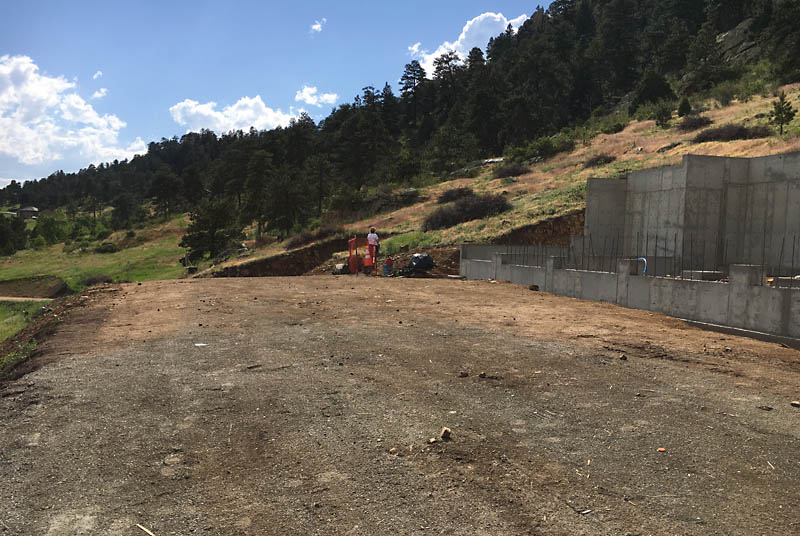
<point x="732" y="132"/>
<point x="694" y="122"/>
<point x="663" y="114"/>
<point x="654" y="111"/>
<point x="599" y="160"/>
<point x="106" y="247"/>
<point x="384" y="198"/>
<point x="540" y="149"/>
<point x="652" y="88"/>
<point x="38" y="242"/>
<point x="470" y="208"/>
<point x="510" y="170"/>
<point x="454" y="195"/>
<point x="613" y="128"/>
<point x="685" y="107"/>
<point x="724" y="93"/>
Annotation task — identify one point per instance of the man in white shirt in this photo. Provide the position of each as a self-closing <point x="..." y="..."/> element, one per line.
<point x="373" y="240"/>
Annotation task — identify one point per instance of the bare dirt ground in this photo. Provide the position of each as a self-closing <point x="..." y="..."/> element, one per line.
<point x="311" y="408"/>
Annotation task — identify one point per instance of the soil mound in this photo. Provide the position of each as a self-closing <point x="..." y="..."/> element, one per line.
<point x="45" y="286"/>
<point x="297" y="262"/>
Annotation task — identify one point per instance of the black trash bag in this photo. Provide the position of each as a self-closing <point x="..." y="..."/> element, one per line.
<point x="421" y="262"/>
<point x="342" y="269"/>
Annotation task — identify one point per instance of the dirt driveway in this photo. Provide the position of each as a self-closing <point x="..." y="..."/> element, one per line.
<point x="307" y="405"/>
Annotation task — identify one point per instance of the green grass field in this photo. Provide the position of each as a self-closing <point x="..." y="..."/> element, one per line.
<point x="13" y="317"/>
<point x="155" y="258"/>
<point x="152" y="260"/>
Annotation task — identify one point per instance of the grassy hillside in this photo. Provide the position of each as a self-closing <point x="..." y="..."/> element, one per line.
<point x="557" y="186"/>
<point x="152" y="254"/>
<point x="15" y="315"/>
<point x="541" y="191"/>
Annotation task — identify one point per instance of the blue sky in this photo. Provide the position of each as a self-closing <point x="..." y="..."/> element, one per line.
<point x="87" y="81"/>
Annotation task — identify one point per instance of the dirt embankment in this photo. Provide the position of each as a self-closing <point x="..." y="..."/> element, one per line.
<point x="297" y="262"/>
<point x="45" y="286"/>
<point x="319" y="259"/>
<point x="447" y="260"/>
<point x="553" y="232"/>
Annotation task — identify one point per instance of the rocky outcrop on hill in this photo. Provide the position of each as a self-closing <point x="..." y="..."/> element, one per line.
<point x="739" y="45"/>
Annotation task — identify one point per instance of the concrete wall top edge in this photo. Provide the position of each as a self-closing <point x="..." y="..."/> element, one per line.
<point x="793" y="154"/>
<point x="698" y="157"/>
<point x="599" y="181"/>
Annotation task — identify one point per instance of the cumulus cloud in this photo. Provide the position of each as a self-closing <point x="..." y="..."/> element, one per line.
<point x="310" y="96"/>
<point x="245" y="113"/>
<point x="318" y="24"/>
<point x="476" y="33"/>
<point x="42" y="119"/>
<point x="100" y="93"/>
<point x="97" y="75"/>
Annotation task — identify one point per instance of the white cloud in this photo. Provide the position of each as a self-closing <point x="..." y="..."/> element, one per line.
<point x="245" y="113"/>
<point x="100" y="93"/>
<point x="476" y="33"/>
<point x="41" y="119"/>
<point x="318" y="24"/>
<point x="97" y="75"/>
<point x="310" y="96"/>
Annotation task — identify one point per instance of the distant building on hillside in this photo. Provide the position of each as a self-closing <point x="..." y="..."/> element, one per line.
<point x="28" y="213"/>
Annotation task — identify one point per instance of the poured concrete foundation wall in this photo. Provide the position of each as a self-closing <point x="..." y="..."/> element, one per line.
<point x="763" y="212"/>
<point x="744" y="302"/>
<point x="704" y="214"/>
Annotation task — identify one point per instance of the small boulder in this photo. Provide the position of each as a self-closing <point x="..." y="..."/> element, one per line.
<point x="445" y="434"/>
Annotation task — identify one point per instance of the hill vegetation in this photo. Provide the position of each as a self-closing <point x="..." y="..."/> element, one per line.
<point x="580" y="71"/>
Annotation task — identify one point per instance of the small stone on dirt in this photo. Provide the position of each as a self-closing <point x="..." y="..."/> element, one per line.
<point x="482" y="375"/>
<point x="445" y="434"/>
<point x="432" y="440"/>
<point x="765" y="408"/>
<point x="623" y="357"/>
<point x="796" y="403"/>
<point x="534" y="288"/>
<point x="662" y="449"/>
<point x="463" y="374"/>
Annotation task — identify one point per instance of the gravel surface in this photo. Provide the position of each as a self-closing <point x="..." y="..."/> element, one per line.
<point x="315" y="405"/>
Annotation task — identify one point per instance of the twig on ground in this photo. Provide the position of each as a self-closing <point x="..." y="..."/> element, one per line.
<point x="144" y="529"/>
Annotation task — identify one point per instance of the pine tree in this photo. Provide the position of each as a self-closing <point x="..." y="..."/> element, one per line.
<point x="413" y="76"/>
<point x="782" y="112"/>
<point x="213" y="228"/>
<point x="685" y="107"/>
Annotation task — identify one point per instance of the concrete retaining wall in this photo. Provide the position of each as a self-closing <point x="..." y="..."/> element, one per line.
<point x="705" y="213"/>
<point x="744" y="302"/>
